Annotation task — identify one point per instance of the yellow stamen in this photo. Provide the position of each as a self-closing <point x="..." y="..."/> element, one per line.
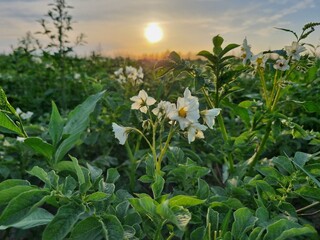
<point x="182" y="112"/>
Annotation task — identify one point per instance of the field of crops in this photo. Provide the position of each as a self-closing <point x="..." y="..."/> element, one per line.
<point x="218" y="147"/>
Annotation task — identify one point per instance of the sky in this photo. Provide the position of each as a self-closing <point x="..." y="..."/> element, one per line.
<point x="116" y="27"/>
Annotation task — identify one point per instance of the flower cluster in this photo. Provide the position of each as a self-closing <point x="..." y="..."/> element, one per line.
<point x="259" y="60"/>
<point x="129" y="74"/>
<point x="183" y="114"/>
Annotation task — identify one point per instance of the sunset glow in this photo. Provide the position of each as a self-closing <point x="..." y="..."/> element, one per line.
<point x="153" y="33"/>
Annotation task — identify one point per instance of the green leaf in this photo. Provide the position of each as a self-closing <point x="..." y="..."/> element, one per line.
<point x="64" y="166"/>
<point x="311" y="107"/>
<point x="13" y="182"/>
<point x="157" y="185"/>
<point x="55" y="125"/>
<point x="217" y="43"/>
<point x="78" y="169"/>
<point x="209" y="56"/>
<point x="122" y="209"/>
<point x="226" y="222"/>
<point x="22" y="205"/>
<point x="89" y="228"/>
<point x="112" y="227"/>
<point x="301" y="158"/>
<point x="66" y="145"/>
<point x="203" y="190"/>
<point x="283" y="164"/>
<point x="309" y="192"/>
<point x="69" y="185"/>
<point x="228" y="48"/>
<point x="186" y="201"/>
<point x="284" y="229"/>
<point x="174" y="56"/>
<point x="95" y="172"/>
<point x="182" y="216"/>
<point x="7" y="123"/>
<point x="145" y="205"/>
<point x="96" y="197"/>
<point x="40" y="146"/>
<point x="41" y="174"/>
<point x="129" y="232"/>
<point x="63" y="222"/>
<point x="6" y="195"/>
<point x="198" y="233"/>
<point x="212" y="219"/>
<point x="288" y="30"/>
<point x="38" y="217"/>
<point x="79" y="117"/>
<point x="77" y="122"/>
<point x="112" y="175"/>
<point x="243" y="222"/>
<point x="256" y="233"/>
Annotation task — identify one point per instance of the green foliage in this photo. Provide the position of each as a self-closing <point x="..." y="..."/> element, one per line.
<point x="254" y="174"/>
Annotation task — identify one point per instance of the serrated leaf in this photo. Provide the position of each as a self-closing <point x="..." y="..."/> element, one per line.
<point x="63" y="222"/>
<point x="186" y="201"/>
<point x="22" y="205"/>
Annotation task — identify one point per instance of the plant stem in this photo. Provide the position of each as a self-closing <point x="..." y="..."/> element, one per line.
<point x="264" y="87"/>
<point x="164" y="150"/>
<point x="132" y="167"/>
<point x="253" y="160"/>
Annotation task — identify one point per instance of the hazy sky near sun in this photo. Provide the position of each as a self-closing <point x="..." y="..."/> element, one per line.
<point x="116" y="26"/>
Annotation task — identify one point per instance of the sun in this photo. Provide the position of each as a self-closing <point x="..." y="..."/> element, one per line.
<point x="153" y="33"/>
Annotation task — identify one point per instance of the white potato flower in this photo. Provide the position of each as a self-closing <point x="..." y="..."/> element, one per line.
<point x="195" y="130"/>
<point x="295" y="50"/>
<point x="163" y="108"/>
<point x="186" y="111"/>
<point x="120" y="132"/>
<point x="131" y="72"/>
<point x="246" y="53"/>
<point x="142" y="101"/>
<point x="259" y="60"/>
<point x="210" y="115"/>
<point x="281" y="64"/>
